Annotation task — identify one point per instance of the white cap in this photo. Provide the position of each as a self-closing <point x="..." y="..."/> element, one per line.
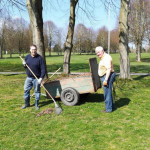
<point x="99" y="48"/>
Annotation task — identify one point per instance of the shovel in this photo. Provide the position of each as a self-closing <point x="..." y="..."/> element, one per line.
<point x="58" y="109"/>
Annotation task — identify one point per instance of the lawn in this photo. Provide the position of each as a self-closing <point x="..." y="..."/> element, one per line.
<point x="79" y="63"/>
<point x="81" y="127"/>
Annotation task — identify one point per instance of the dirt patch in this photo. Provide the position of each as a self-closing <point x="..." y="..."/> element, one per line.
<point x="44" y="112"/>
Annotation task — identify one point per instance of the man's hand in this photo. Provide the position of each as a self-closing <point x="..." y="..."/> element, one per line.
<point x="39" y="80"/>
<point x="105" y="83"/>
<point x="24" y="63"/>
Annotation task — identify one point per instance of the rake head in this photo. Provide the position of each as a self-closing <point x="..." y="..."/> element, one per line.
<point x="58" y="109"/>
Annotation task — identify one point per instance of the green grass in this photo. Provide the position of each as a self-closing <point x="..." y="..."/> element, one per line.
<point x="79" y="63"/>
<point x="81" y="127"/>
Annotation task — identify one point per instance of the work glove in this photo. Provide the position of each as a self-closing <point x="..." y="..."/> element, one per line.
<point x="39" y="80"/>
<point x="105" y="83"/>
<point x="24" y="63"/>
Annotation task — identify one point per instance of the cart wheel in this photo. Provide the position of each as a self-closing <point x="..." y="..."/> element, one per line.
<point x="69" y="96"/>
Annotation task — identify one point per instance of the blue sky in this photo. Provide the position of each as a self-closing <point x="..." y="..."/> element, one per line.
<point x="59" y="14"/>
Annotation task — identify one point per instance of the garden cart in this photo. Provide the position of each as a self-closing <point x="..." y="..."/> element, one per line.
<point x="68" y="89"/>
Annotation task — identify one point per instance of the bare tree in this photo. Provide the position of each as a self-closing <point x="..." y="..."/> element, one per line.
<point x="137" y="25"/>
<point x="147" y="21"/>
<point x="10" y="36"/>
<point x="59" y="40"/>
<point x="80" y="37"/>
<point x="114" y="41"/>
<point x="50" y="30"/>
<point x="2" y="38"/>
<point x="69" y="39"/>
<point x="123" y="40"/>
<point x="102" y="37"/>
<point x="8" y="8"/>
<point x="90" y="39"/>
<point x="3" y="30"/>
<point x="28" y="39"/>
<point x="36" y="20"/>
<point x="20" y="26"/>
<point x="10" y="4"/>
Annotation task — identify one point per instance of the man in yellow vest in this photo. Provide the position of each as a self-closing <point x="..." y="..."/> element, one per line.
<point x="107" y="77"/>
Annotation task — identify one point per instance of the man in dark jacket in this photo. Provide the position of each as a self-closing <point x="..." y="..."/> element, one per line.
<point x="37" y="65"/>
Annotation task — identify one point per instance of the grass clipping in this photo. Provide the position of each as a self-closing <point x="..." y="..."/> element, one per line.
<point x="46" y="111"/>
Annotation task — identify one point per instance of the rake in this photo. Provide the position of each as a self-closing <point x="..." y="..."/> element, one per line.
<point x="58" y="109"/>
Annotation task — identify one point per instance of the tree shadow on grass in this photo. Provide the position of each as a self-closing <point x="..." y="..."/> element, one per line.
<point x="142" y="60"/>
<point x="140" y="77"/>
<point x="48" y="102"/>
<point x="84" y="98"/>
<point x="45" y="102"/>
<point x="88" y="98"/>
<point x="97" y="98"/>
<point x="42" y="102"/>
<point x="145" y="60"/>
<point x="122" y="102"/>
<point x="15" y="75"/>
<point x="140" y="68"/>
<point x="116" y="68"/>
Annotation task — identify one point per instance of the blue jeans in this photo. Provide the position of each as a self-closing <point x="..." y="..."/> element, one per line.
<point x="109" y="105"/>
<point x="29" y="83"/>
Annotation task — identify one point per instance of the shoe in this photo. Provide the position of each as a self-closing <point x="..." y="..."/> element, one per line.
<point x="37" y="108"/>
<point x="104" y="111"/>
<point x="36" y="104"/>
<point x="25" y="106"/>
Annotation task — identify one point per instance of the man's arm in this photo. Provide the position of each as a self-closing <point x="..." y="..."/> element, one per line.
<point x="108" y="66"/>
<point x="43" y="70"/>
<point x="107" y="76"/>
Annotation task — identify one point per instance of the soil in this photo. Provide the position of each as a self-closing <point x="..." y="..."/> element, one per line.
<point x="44" y="112"/>
<point x="62" y="77"/>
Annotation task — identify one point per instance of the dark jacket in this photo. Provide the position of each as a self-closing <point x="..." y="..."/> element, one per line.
<point x="36" y="64"/>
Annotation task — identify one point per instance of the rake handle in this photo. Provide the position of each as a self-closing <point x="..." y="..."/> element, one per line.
<point x="52" y="74"/>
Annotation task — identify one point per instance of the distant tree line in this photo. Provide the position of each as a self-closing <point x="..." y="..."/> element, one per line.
<point x="16" y="37"/>
<point x="16" y="34"/>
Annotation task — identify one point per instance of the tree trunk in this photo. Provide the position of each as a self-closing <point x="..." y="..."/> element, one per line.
<point x="36" y="20"/>
<point x="1" y="49"/>
<point x="123" y="40"/>
<point x="19" y="47"/>
<point x="68" y="43"/>
<point x="149" y="46"/>
<point x="50" y="47"/>
<point x="49" y="51"/>
<point x="138" y="52"/>
<point x="2" y="41"/>
<point x="1" y="53"/>
<point x="11" y="53"/>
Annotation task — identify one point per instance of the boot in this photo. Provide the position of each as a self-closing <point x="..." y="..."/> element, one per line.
<point x="27" y="104"/>
<point x="36" y="104"/>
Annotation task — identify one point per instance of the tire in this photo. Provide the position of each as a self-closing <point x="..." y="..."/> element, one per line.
<point x="69" y="96"/>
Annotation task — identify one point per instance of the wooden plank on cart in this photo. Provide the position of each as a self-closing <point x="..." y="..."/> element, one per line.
<point x="94" y="70"/>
